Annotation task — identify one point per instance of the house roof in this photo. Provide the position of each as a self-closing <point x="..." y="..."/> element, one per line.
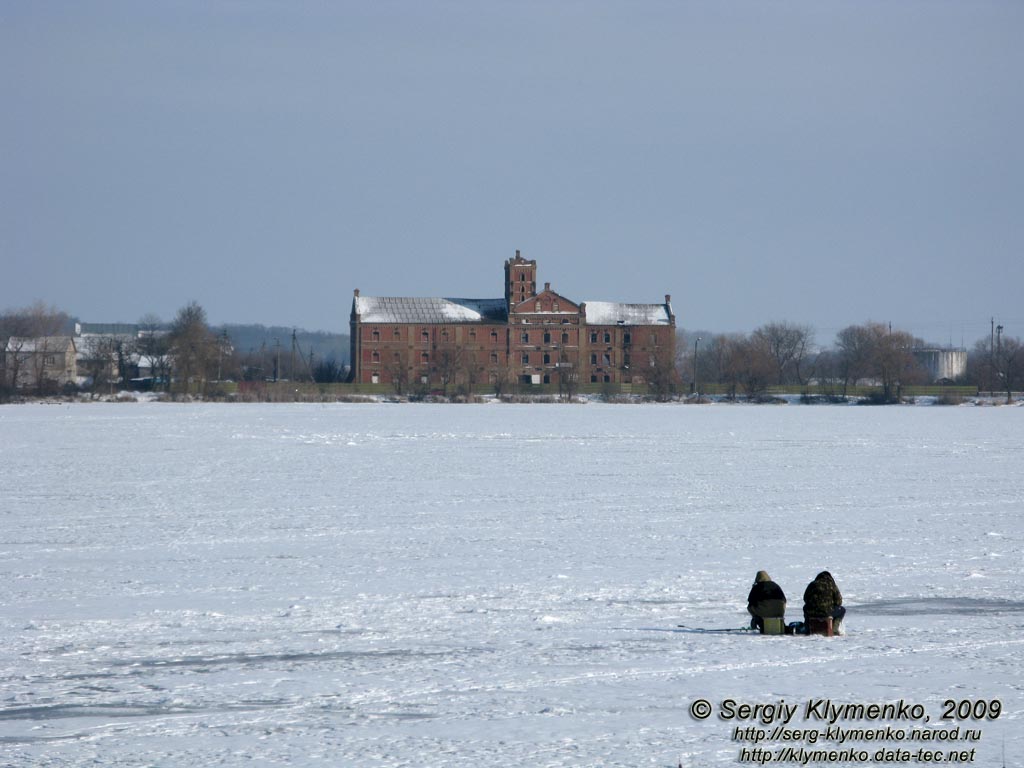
<point x="526" y="306"/>
<point x="397" y="309"/>
<point x="49" y="344"/>
<point x="107" y="329"/>
<point x="613" y="313"/>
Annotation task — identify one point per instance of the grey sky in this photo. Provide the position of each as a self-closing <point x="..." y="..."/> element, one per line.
<point x="818" y="162"/>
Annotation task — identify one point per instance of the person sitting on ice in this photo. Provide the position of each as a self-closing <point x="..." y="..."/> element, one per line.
<point x="765" y="601"/>
<point x="822" y="599"/>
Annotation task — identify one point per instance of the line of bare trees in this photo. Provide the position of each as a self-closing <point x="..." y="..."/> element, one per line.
<point x="782" y="353"/>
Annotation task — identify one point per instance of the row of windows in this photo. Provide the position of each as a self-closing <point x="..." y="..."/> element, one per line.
<point x="525" y="337"/>
<point x="375" y="356"/>
<point x="605" y="337"/>
<point x="375" y="379"/>
<point x="603" y="359"/>
<point x="396" y="335"/>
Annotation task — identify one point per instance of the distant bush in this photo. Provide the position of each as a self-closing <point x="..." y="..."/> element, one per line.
<point x="809" y="399"/>
<point x="876" y="398"/>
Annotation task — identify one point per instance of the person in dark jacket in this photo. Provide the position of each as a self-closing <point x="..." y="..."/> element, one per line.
<point x="766" y="600"/>
<point x="823" y="599"/>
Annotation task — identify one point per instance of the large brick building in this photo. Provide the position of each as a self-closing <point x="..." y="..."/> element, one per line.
<point x="530" y="336"/>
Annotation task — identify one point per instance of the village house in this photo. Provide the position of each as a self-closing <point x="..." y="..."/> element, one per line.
<point x="43" y="363"/>
<point x="530" y="337"/>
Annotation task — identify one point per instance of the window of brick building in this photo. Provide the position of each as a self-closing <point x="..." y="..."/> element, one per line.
<point x="593" y="359"/>
<point x="375" y="336"/>
<point x="494" y="358"/>
<point x="607" y="378"/>
<point x="375" y="356"/>
<point x="547" y="337"/>
<point x="627" y="337"/>
<point x="593" y="337"/>
<point x="396" y="334"/>
<point x="547" y="359"/>
<point x="593" y="378"/>
<point x="424" y="357"/>
<point x="424" y="335"/>
<point x="606" y="360"/>
<point x="565" y="338"/>
<point x="526" y="358"/>
<point x="547" y="379"/>
<point x="607" y="338"/>
<point x="525" y="338"/>
<point x="536" y="307"/>
<point x="494" y="337"/>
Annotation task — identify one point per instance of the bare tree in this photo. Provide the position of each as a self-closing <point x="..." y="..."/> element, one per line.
<point x="98" y="361"/>
<point x="894" y="361"/>
<point x="193" y="346"/>
<point x="729" y="358"/>
<point x="751" y="366"/>
<point x="469" y="376"/>
<point x="1008" y="362"/>
<point x="854" y="348"/>
<point x="568" y="375"/>
<point x="787" y="346"/>
<point x="446" y="362"/>
<point x="153" y="348"/>
<point x="504" y="377"/>
<point x="876" y="351"/>
<point x="663" y="381"/>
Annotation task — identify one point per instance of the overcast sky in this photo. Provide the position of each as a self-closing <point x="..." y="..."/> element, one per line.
<point x="817" y="162"/>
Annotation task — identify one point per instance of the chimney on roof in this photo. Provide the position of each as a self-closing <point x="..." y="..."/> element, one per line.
<point x="356" y="293"/>
<point x="517" y="254"/>
<point x="547" y="286"/>
<point x="668" y="298"/>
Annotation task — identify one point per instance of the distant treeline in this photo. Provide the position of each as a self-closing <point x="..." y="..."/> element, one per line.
<point x="276" y="341"/>
<point x="187" y="354"/>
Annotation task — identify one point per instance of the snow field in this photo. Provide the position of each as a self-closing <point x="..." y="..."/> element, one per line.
<point x="417" y="585"/>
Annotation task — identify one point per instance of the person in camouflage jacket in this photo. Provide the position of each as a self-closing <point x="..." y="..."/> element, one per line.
<point x="823" y="599"/>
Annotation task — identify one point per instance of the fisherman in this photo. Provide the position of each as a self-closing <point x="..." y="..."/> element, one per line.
<point x="822" y="599"/>
<point x="765" y="601"/>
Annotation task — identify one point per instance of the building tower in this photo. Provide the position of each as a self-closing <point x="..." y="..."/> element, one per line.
<point x="520" y="280"/>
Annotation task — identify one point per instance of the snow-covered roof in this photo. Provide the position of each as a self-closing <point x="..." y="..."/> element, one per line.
<point x="398" y="309"/>
<point x="49" y="344"/>
<point x="613" y="313"/>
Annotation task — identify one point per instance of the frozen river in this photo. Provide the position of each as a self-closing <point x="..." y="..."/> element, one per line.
<point x="494" y="585"/>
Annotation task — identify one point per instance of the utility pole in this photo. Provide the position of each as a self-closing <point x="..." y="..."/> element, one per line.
<point x="1000" y="373"/>
<point x="696" y="384"/>
<point x="292" y="365"/>
<point x="991" y="353"/>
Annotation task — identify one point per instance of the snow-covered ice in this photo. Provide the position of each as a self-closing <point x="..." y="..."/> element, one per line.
<point x="419" y="585"/>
